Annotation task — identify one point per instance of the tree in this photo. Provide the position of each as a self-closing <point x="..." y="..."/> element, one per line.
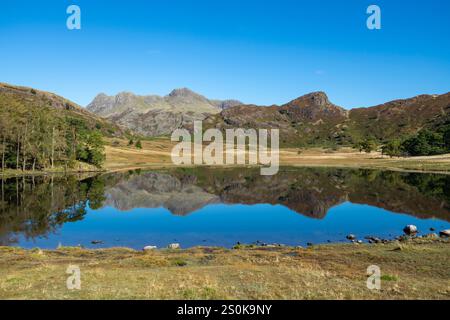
<point x="38" y="136"/>
<point x="424" y="144"/>
<point x="368" y="145"/>
<point x="131" y="142"/>
<point x="4" y="137"/>
<point x="139" y="144"/>
<point x="446" y="139"/>
<point x="91" y="149"/>
<point x="393" y="148"/>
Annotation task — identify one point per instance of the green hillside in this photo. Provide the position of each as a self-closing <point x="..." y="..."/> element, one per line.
<point x="40" y="130"/>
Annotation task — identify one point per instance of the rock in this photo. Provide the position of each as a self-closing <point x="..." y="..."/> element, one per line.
<point x="359" y="242"/>
<point x="150" y="248"/>
<point x="445" y="233"/>
<point x="432" y="229"/>
<point x="309" y="244"/>
<point x="174" y="246"/>
<point x="351" y="237"/>
<point x="97" y="242"/>
<point x="410" y="229"/>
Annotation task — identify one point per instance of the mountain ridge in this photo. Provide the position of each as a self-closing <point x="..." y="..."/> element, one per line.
<point x="152" y="115"/>
<point x="313" y="120"/>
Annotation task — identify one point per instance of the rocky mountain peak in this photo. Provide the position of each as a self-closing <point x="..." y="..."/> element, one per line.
<point x="124" y="97"/>
<point x="154" y="115"/>
<point x="317" y="99"/>
<point x="183" y="92"/>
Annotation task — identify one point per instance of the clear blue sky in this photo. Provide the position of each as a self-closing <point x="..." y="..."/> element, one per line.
<point x="262" y="52"/>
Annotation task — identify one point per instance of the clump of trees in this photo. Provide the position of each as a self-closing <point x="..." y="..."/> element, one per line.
<point x="39" y="138"/>
<point x="367" y="145"/>
<point x="425" y="143"/>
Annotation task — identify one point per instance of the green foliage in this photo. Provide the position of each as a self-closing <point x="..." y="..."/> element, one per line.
<point x="393" y="148"/>
<point x="131" y="142"/>
<point x="139" y="144"/>
<point x="36" y="136"/>
<point x="367" y="145"/>
<point x="425" y="143"/>
<point x="446" y="138"/>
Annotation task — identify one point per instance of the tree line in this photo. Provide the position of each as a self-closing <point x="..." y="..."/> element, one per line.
<point x="425" y="143"/>
<point x="40" y="138"/>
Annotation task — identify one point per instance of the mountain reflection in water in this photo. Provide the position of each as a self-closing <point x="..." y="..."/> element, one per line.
<point x="37" y="207"/>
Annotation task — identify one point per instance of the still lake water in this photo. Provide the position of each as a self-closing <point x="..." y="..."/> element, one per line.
<point x="211" y="207"/>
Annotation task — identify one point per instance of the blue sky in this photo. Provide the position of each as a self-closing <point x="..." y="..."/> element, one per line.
<point x="262" y="52"/>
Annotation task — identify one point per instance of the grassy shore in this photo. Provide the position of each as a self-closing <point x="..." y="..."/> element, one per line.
<point x="79" y="168"/>
<point x="415" y="269"/>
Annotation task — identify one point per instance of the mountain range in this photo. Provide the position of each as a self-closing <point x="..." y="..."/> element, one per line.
<point x="313" y="120"/>
<point x="154" y="115"/>
<point x="308" y="120"/>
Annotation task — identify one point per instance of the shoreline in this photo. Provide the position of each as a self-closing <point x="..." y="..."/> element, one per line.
<point x="165" y="166"/>
<point x="350" y="239"/>
<point x="414" y="269"/>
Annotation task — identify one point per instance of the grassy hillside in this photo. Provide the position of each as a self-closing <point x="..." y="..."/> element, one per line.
<point x="40" y="130"/>
<point x="312" y="120"/>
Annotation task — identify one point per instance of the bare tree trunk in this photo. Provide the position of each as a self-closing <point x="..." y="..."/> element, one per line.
<point x="18" y="151"/>
<point x="3" y="194"/>
<point x="3" y="153"/>
<point x="53" y="147"/>
<point x="24" y="151"/>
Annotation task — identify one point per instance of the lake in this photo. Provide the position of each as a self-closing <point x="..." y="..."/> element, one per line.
<point x="219" y="207"/>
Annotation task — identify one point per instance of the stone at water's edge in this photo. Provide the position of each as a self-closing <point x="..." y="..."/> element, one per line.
<point x="445" y="233"/>
<point x="351" y="237"/>
<point x="410" y="229"/>
<point x="149" y="248"/>
<point x="174" y="246"/>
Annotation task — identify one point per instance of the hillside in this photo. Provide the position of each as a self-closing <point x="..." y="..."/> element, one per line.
<point x="40" y="130"/>
<point x="313" y="120"/>
<point x="155" y="115"/>
<point x="30" y="98"/>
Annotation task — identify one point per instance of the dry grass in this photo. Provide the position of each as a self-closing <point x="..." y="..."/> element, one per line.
<point x="413" y="270"/>
<point x="156" y="154"/>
